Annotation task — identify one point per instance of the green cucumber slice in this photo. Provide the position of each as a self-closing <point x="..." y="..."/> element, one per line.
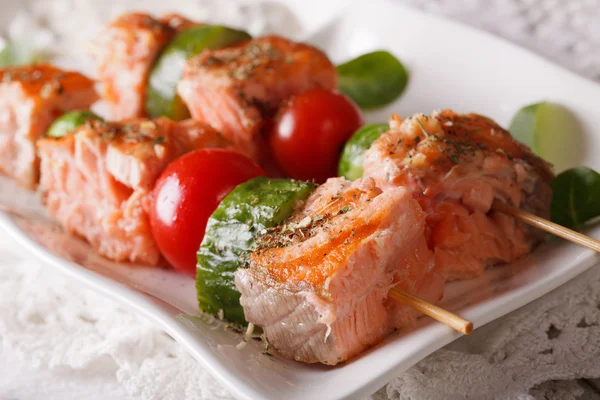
<point x="161" y="94"/>
<point x="373" y="80"/>
<point x="575" y="197"/>
<point x="20" y="52"/>
<point x="250" y="208"/>
<point x="353" y="155"/>
<point x="69" y="121"/>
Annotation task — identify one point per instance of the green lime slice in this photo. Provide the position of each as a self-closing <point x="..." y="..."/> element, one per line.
<point x="551" y="131"/>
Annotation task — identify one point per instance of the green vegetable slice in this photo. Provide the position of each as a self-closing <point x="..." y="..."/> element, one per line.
<point x="251" y="207"/>
<point x="161" y="95"/>
<point x="576" y="197"/>
<point x="373" y="80"/>
<point x="69" y="121"/>
<point x="19" y="53"/>
<point x="551" y="131"/>
<point x="353" y="155"/>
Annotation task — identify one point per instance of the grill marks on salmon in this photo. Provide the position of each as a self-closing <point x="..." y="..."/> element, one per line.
<point x="237" y="89"/>
<point x="318" y="284"/>
<point x="96" y="181"/>
<point x="31" y="98"/>
<point x="125" y="52"/>
<point x="456" y="166"/>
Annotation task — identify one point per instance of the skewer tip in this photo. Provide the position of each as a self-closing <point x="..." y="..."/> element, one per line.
<point x="468" y="328"/>
<point x="446" y="317"/>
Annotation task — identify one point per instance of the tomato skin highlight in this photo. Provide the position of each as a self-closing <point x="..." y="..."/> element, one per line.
<point x="310" y="132"/>
<point x="187" y="193"/>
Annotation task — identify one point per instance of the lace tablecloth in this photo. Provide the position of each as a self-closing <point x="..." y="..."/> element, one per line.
<point x="61" y="341"/>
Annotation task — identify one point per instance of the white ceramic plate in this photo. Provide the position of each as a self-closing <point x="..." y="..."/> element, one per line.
<point x="451" y="66"/>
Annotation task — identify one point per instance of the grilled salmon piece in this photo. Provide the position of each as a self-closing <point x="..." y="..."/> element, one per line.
<point x="318" y="284"/>
<point x="456" y="166"/>
<point x="236" y="88"/>
<point x="31" y="98"/>
<point x="96" y="181"/>
<point x="124" y="52"/>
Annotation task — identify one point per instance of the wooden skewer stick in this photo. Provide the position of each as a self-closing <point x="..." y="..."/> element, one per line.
<point x="435" y="312"/>
<point x="463" y="325"/>
<point x="548" y="226"/>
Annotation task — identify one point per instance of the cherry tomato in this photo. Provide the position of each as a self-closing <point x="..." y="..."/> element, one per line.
<point x="187" y="193"/>
<point x="310" y="132"/>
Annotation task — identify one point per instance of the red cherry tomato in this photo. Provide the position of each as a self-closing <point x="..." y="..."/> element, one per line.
<point x="310" y="132"/>
<point x="185" y="196"/>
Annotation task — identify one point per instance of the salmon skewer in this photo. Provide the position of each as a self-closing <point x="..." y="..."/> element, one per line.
<point x="319" y="284"/>
<point x="31" y="98"/>
<point x="97" y="180"/>
<point x="456" y="166"/>
<point x="237" y="89"/>
<point x="548" y="226"/>
<point x="125" y="52"/>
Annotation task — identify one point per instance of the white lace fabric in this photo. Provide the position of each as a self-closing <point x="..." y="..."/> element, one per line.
<point x="78" y="344"/>
<point x="566" y="32"/>
<point x="53" y="324"/>
<point x="557" y="337"/>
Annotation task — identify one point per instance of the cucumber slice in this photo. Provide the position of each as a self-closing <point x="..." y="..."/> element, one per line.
<point x="576" y="197"/>
<point x="69" y="121"/>
<point x="21" y="52"/>
<point x="251" y="207"/>
<point x="353" y="155"/>
<point x="373" y="80"/>
<point x="551" y="131"/>
<point x="161" y="94"/>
